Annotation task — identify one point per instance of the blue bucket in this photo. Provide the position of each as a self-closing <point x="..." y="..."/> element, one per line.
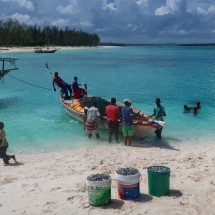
<point x="128" y="186"/>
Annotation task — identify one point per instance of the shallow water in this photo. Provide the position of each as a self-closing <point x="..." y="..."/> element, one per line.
<point x="35" y="120"/>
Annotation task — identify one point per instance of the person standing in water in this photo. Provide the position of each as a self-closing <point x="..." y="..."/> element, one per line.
<point x="196" y="108"/>
<point x="159" y="113"/>
<point x="4" y="146"/>
<point x="112" y="112"/>
<point x="91" y="122"/>
<point x="127" y="126"/>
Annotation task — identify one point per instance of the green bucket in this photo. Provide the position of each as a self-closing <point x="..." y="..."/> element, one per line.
<point x="99" y="192"/>
<point x="158" y="180"/>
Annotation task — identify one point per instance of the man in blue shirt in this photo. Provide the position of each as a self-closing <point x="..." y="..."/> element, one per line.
<point x="159" y="113"/>
<point x="127" y="127"/>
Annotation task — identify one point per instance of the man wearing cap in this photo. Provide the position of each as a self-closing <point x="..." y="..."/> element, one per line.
<point x="127" y="127"/>
<point x="159" y="113"/>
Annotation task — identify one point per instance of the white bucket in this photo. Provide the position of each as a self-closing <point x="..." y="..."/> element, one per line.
<point x="128" y="186"/>
<point x="99" y="192"/>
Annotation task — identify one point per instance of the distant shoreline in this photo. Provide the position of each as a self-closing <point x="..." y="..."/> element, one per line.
<point x="58" y="48"/>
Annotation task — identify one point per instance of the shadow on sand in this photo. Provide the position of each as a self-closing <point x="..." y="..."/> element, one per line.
<point x="115" y="204"/>
<point x="14" y="164"/>
<point x="175" y="193"/>
<point x="144" y="198"/>
<point x="151" y="142"/>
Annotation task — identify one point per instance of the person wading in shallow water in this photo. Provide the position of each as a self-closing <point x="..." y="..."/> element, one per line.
<point x="159" y="113"/>
<point x="4" y="146"/>
<point x="127" y="126"/>
<point x="91" y="124"/>
<point x="112" y="112"/>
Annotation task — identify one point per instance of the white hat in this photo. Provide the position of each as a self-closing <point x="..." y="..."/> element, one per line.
<point x="127" y="100"/>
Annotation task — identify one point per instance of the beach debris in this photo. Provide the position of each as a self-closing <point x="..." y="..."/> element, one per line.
<point x="127" y="171"/>
<point x="159" y="169"/>
<point x="98" y="177"/>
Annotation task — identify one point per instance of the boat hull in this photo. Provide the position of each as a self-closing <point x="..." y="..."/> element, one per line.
<point x="141" y="129"/>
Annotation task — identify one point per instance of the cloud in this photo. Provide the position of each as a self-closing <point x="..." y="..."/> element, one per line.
<point x="172" y="7"/>
<point x="22" y="18"/>
<point x="23" y="3"/>
<point x="209" y="11"/>
<point x="132" y="21"/>
<point x="61" y="23"/>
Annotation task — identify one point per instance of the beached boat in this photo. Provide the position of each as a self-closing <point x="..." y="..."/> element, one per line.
<point x="143" y="127"/>
<point x="40" y="50"/>
<point x="8" y="64"/>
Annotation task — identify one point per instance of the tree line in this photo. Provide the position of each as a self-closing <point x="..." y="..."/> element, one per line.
<point x="13" y="33"/>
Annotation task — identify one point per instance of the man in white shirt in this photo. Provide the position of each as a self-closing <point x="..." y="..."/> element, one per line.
<point x="91" y="124"/>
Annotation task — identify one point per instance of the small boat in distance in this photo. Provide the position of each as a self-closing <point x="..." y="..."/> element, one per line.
<point x="8" y="64"/>
<point x="47" y="50"/>
<point x="142" y="127"/>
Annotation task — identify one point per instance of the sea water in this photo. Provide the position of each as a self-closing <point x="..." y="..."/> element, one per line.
<point x="35" y="120"/>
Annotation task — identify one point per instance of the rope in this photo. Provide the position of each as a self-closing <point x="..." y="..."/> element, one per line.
<point x="29" y="83"/>
<point x="52" y="76"/>
<point x="2" y="80"/>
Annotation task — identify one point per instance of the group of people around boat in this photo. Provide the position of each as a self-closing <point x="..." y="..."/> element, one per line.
<point x="113" y="114"/>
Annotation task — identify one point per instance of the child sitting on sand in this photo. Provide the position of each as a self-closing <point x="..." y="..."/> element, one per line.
<point x="4" y="146"/>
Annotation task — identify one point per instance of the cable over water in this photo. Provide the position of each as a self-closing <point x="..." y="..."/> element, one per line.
<point x="34" y="85"/>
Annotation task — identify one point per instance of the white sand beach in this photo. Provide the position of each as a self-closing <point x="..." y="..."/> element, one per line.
<point x="31" y="49"/>
<point x="54" y="183"/>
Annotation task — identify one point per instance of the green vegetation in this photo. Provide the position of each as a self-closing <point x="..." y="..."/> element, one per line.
<point x="12" y="33"/>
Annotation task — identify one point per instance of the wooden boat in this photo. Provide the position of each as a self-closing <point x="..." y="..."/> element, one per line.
<point x="143" y="127"/>
<point x="40" y="50"/>
<point x="8" y="64"/>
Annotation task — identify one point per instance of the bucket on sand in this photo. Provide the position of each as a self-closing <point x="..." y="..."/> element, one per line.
<point x="158" y="180"/>
<point x="128" y="185"/>
<point x="99" y="189"/>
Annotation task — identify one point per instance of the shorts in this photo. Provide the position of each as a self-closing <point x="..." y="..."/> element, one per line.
<point x="113" y="126"/>
<point x="128" y="130"/>
<point x="91" y="127"/>
<point x="96" y="131"/>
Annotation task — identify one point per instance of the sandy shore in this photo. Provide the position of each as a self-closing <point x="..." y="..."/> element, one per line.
<point x="31" y="49"/>
<point x="54" y="183"/>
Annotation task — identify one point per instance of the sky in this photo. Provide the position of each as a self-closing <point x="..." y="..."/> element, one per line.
<point x="121" y="21"/>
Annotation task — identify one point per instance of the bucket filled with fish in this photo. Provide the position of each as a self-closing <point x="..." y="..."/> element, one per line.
<point x="128" y="180"/>
<point x="99" y="189"/>
<point x="158" y="180"/>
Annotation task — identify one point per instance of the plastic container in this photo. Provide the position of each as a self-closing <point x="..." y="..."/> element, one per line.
<point x="99" y="192"/>
<point x="128" y="186"/>
<point x="158" y="180"/>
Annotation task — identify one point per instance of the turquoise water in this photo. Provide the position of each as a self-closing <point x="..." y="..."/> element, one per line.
<point x="35" y="120"/>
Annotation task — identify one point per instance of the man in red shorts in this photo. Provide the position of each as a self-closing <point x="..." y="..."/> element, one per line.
<point x="78" y="92"/>
<point x="112" y="112"/>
